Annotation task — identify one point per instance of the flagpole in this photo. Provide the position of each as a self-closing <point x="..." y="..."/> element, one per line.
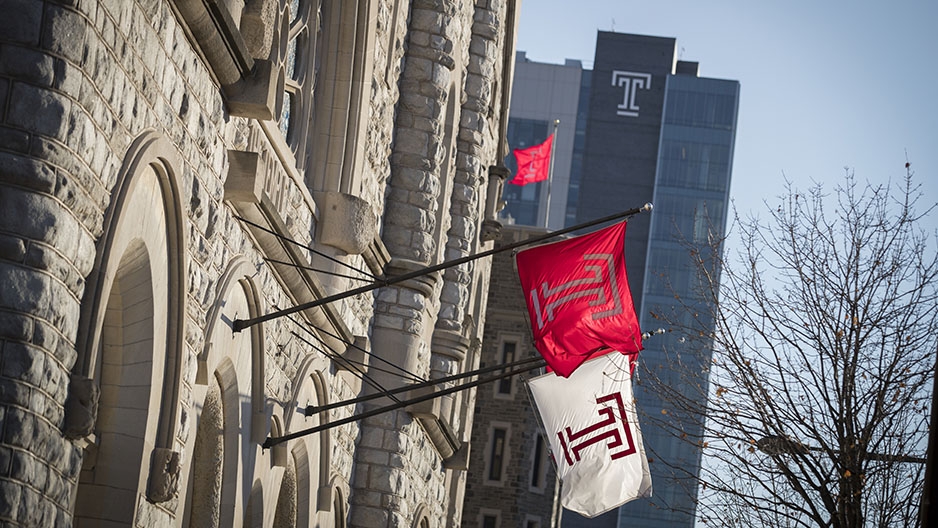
<point x="516" y="367"/>
<point x="274" y="440"/>
<point x="240" y="324"/>
<point x="532" y="362"/>
<point x="550" y="174"/>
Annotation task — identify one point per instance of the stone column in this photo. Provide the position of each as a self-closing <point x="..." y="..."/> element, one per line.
<point x="405" y="314"/>
<point x="458" y="328"/>
<point x="476" y="149"/>
<point x="49" y="211"/>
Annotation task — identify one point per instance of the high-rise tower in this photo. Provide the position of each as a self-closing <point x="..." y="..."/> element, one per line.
<point x="653" y="131"/>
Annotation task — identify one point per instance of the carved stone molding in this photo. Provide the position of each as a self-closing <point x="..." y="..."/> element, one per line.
<point x="377" y="257"/>
<point x="491" y="228"/>
<point x="259" y="194"/>
<point x="450" y="343"/>
<point x="81" y="407"/>
<point x="163" y="483"/>
<point x="423" y="284"/>
<point x="355" y="354"/>
<point x="346" y="221"/>
<point x="460" y="459"/>
<point x="218" y="37"/>
<point x="259" y="95"/>
<point x="253" y="85"/>
<point x="438" y="429"/>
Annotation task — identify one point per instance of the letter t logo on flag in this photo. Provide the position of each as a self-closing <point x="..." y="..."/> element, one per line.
<point x="533" y="163"/>
<point x="592" y="427"/>
<point x="578" y="298"/>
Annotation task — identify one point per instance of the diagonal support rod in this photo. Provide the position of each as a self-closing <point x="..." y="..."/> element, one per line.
<point x="241" y="324"/>
<point x="274" y="440"/>
<point x="521" y="366"/>
<point x="358" y="372"/>
<point x="535" y="362"/>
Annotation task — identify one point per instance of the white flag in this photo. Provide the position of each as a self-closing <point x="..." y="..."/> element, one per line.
<point x="593" y="433"/>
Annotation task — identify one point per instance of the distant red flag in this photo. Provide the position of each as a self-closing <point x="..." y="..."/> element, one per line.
<point x="533" y="163"/>
<point x="578" y="298"/>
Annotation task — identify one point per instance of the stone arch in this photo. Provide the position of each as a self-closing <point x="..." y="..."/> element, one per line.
<point x="339" y="510"/>
<point x="216" y="454"/>
<point x="254" y="513"/>
<point x="422" y="517"/>
<point x="239" y="267"/>
<point x="305" y="511"/>
<point x="234" y="361"/>
<point x="231" y="497"/>
<point x="279" y="452"/>
<point x="287" y="508"/>
<point x="203" y="507"/>
<point x="130" y="338"/>
<point x="150" y="154"/>
<point x="109" y="485"/>
<point x="313" y="450"/>
<point x="237" y="298"/>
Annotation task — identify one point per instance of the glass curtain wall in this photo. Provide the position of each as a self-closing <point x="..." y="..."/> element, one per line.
<point x="691" y="200"/>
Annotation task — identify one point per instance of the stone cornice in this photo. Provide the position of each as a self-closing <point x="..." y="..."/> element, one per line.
<point x="257" y="199"/>
<point x="252" y="88"/>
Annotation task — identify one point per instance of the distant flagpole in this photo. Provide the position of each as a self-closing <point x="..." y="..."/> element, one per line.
<point x="550" y="174"/>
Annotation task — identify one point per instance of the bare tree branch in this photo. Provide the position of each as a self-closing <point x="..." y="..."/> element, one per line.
<point x="823" y="329"/>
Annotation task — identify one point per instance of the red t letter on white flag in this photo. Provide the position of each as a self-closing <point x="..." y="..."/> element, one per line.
<point x="592" y="428"/>
<point x="578" y="298"/>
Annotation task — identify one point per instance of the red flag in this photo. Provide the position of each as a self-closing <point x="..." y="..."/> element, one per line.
<point x="578" y="298"/>
<point x="533" y="162"/>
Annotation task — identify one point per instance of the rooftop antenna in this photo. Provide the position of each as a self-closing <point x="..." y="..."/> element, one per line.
<point x="613" y="25"/>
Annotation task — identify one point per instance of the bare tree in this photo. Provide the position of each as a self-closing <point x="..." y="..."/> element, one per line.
<point x="823" y="328"/>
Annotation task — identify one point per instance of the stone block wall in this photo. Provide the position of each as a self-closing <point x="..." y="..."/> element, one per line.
<point x="515" y="497"/>
<point x="433" y="211"/>
<point x="105" y="104"/>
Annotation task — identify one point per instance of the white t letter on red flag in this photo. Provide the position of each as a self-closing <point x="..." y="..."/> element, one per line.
<point x="578" y="298"/>
<point x="533" y="163"/>
<point x="592" y="428"/>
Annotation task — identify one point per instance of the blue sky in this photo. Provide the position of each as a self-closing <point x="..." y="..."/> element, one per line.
<point x="824" y="84"/>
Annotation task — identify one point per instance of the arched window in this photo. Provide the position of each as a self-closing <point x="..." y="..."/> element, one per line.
<point x="421" y="519"/>
<point x="311" y="453"/>
<point x="229" y="408"/>
<point x="130" y="338"/>
<point x="300" y="56"/>
<point x="108" y="488"/>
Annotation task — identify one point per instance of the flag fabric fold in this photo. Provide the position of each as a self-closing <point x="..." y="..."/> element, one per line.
<point x="533" y="163"/>
<point x="578" y="298"/>
<point x="593" y="432"/>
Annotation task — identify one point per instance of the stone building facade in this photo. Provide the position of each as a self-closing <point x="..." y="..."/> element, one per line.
<point x="512" y="482"/>
<point x="171" y="170"/>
